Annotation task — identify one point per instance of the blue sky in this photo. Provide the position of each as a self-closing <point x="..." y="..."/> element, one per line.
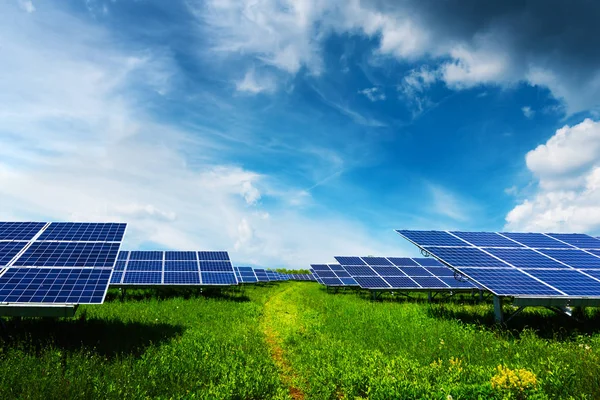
<point x="288" y="132"/>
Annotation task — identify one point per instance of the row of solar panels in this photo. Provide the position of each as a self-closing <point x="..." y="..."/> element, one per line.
<point x="251" y="275"/>
<point x="390" y="273"/>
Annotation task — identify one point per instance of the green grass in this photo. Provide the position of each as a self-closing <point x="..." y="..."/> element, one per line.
<point x="297" y="339"/>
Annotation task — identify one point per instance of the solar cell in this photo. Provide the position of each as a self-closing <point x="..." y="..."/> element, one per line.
<point x="348" y="281"/>
<point x="432" y="238"/>
<point x="142" y="277"/>
<point x="349" y="260"/>
<point x="415" y="271"/>
<point x="388" y="271"/>
<point x="376" y="261"/>
<point x="574" y="258"/>
<point x="372" y="282"/>
<point x="535" y="240"/>
<point x="123" y="255"/>
<point x="430" y="282"/>
<point x="509" y="282"/>
<point x="88" y="232"/>
<point x="180" y="256"/>
<point x="116" y="277"/>
<point x="403" y="261"/>
<point x="218" y="278"/>
<point x="578" y="240"/>
<point x="120" y="265"/>
<point x="69" y="254"/>
<point x="146" y="255"/>
<point x="359" y="271"/>
<point x="568" y="281"/>
<point x="486" y="239"/>
<point x="189" y="266"/>
<point x="182" y="278"/>
<point x="8" y="250"/>
<point x="213" y="256"/>
<point x="20" y="230"/>
<point x="525" y="258"/>
<point x="428" y="262"/>
<point x="215" y="266"/>
<point x="135" y="265"/>
<point x="331" y="281"/>
<point x="465" y="257"/>
<point x="400" y="282"/>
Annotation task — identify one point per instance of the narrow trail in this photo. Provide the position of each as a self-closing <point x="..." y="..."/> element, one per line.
<point x="279" y="317"/>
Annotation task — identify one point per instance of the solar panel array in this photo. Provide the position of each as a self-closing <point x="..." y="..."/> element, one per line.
<point x="58" y="262"/>
<point x="188" y="268"/>
<point x="245" y="274"/>
<point x="519" y="264"/>
<point x="302" y="277"/>
<point x="402" y="273"/>
<point x="333" y="275"/>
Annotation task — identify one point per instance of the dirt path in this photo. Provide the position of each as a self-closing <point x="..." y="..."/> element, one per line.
<point x="278" y="318"/>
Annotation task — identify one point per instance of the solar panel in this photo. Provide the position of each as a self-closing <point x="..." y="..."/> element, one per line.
<point x="58" y="262"/>
<point x="145" y="268"/>
<point x="330" y="275"/>
<point x="413" y="274"/>
<point x="521" y="264"/>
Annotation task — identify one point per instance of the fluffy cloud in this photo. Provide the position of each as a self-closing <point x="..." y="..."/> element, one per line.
<point x="373" y="94"/>
<point x="254" y="84"/>
<point x="467" y="42"/>
<point x="567" y="168"/>
<point x="527" y="112"/>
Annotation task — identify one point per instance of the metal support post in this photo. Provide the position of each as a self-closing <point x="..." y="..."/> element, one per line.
<point x="499" y="314"/>
<point x="429" y="297"/>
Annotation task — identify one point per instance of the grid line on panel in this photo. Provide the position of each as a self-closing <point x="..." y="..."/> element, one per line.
<point x="22" y="231"/>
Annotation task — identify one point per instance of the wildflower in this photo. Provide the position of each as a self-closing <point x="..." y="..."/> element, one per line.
<point x="513" y="379"/>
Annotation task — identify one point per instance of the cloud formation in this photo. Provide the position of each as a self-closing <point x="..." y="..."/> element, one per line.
<point x="567" y="170"/>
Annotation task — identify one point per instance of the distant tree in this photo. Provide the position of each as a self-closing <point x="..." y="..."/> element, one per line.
<point x="292" y="271"/>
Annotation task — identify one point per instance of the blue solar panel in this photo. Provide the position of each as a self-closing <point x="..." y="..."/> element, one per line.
<point x="320" y="267"/>
<point x="336" y="267"/>
<point x="432" y="238"/>
<point x="189" y="266"/>
<point x="403" y="261"/>
<point x="509" y="282"/>
<point x="87" y="232"/>
<point x="218" y="278"/>
<point x="142" y="277"/>
<point x="69" y="254"/>
<point x="216" y="266"/>
<point x="486" y="239"/>
<point x="180" y="255"/>
<point x="457" y="283"/>
<point x="182" y="278"/>
<point x="54" y="285"/>
<point x="359" y="271"/>
<point x="20" y="230"/>
<point x="123" y="255"/>
<point x="428" y="262"/>
<point x="376" y="261"/>
<point x="120" y="265"/>
<point x="525" y="258"/>
<point x="430" y="282"/>
<point x="248" y="279"/>
<point x="578" y="240"/>
<point x="574" y="258"/>
<point x="144" y="266"/>
<point x="465" y="257"/>
<point x="371" y="282"/>
<point x="400" y="282"/>
<point x="146" y="255"/>
<point x="331" y="281"/>
<point x="440" y="271"/>
<point x="388" y="271"/>
<point x="116" y="277"/>
<point x="592" y="272"/>
<point x="213" y="256"/>
<point x="569" y="281"/>
<point x="8" y="250"/>
<point x="342" y="274"/>
<point x="348" y="282"/>
<point x="535" y="240"/>
<point x="415" y="271"/>
<point x="326" y="274"/>
<point x="349" y="260"/>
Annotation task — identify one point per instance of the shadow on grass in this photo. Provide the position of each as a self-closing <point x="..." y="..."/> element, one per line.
<point x="166" y="293"/>
<point x="546" y="323"/>
<point x="108" y="338"/>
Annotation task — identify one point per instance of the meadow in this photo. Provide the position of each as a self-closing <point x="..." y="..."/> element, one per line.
<point x="296" y="340"/>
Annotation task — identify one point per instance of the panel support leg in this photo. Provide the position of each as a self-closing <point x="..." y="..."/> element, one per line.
<point x="429" y="296"/>
<point x="481" y="295"/>
<point x="499" y="314"/>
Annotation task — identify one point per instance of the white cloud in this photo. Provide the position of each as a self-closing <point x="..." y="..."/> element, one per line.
<point x="254" y="84"/>
<point x="527" y="112"/>
<point x="448" y="204"/>
<point x="250" y="193"/>
<point x="373" y="94"/>
<point x="27" y="6"/>
<point x="567" y="168"/>
<point x="472" y="67"/>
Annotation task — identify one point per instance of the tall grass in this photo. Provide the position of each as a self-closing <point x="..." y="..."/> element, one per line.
<point x="295" y="339"/>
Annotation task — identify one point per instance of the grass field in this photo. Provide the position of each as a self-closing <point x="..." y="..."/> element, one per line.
<point x="295" y="340"/>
